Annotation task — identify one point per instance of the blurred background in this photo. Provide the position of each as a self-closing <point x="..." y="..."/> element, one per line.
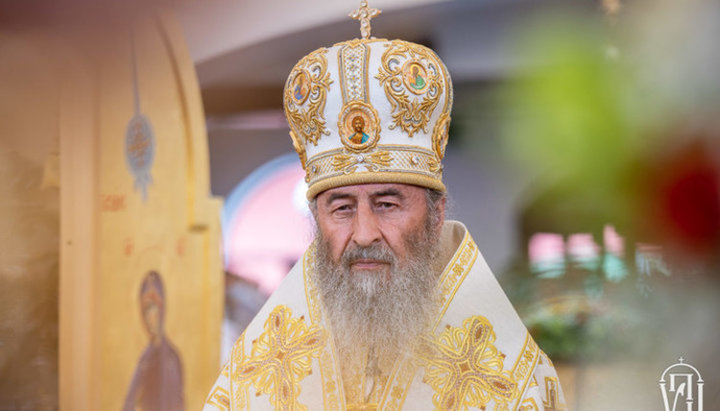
<point x="584" y="158"/>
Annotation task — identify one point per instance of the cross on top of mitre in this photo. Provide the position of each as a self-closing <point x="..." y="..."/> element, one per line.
<point x="364" y="14"/>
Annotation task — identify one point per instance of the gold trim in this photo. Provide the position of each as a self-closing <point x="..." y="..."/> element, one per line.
<point x="441" y="134"/>
<point x="393" y="159"/>
<point x="525" y="364"/>
<point x="528" y="404"/>
<point x="387" y="147"/>
<point x="219" y="398"/>
<point x="237" y="388"/>
<point x="552" y="393"/>
<point x="455" y="274"/>
<point x="373" y="161"/>
<point x="399" y="177"/>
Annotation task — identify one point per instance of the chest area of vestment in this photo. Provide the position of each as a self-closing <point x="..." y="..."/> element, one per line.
<point x="366" y="383"/>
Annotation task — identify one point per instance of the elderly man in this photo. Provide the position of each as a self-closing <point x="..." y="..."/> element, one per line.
<point x="391" y="307"/>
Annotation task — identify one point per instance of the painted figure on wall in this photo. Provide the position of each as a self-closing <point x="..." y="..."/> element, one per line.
<point x="359" y="137"/>
<point x="157" y="383"/>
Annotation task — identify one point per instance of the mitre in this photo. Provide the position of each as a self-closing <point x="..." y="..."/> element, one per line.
<point x="369" y="110"/>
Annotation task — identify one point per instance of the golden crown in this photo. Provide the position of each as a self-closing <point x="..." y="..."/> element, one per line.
<point x="369" y="111"/>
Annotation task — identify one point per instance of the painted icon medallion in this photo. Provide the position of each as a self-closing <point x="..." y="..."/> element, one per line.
<point x="415" y="77"/>
<point x="359" y="126"/>
<point x="300" y="87"/>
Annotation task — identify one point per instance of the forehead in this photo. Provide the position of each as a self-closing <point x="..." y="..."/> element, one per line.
<point x="406" y="191"/>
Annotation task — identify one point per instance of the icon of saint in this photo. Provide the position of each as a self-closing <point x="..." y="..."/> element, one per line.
<point x="359" y="137"/>
<point x="417" y="81"/>
<point x="300" y="89"/>
<point x="158" y="382"/>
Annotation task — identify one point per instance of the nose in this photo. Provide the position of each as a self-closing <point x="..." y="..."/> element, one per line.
<point x="365" y="226"/>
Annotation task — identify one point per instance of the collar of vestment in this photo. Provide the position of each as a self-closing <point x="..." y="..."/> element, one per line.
<point x="478" y="354"/>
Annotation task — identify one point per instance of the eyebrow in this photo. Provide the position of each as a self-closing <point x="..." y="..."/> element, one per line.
<point x="389" y="192"/>
<point x="384" y="193"/>
<point x="336" y="196"/>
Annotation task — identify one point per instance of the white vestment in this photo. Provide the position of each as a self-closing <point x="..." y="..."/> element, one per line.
<point x="479" y="355"/>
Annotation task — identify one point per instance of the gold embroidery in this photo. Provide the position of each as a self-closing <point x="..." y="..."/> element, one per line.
<point x="352" y="62"/>
<point x="305" y="96"/>
<point x="392" y="158"/>
<point x="327" y="373"/>
<point x="440" y="135"/>
<point x="372" y="161"/>
<point x="456" y="272"/>
<point x="280" y="358"/>
<point x="552" y="393"/>
<point x="527" y="357"/>
<point x="413" y="100"/>
<point x="434" y="165"/>
<point x="403" y="376"/>
<point x="529" y="405"/>
<point x="465" y="369"/>
<point x="237" y="387"/>
<point x="526" y="362"/>
<point x="220" y="398"/>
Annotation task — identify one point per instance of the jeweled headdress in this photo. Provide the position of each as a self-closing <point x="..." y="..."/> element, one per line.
<point x="369" y="111"/>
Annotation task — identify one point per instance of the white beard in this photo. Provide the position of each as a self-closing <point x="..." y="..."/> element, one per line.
<point x="378" y="312"/>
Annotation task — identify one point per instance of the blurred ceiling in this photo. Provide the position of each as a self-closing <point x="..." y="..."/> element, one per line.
<point x="244" y="50"/>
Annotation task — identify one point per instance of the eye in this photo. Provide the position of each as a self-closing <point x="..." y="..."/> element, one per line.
<point x="342" y="209"/>
<point x="386" y="205"/>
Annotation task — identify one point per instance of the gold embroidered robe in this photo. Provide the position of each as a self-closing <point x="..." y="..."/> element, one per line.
<point x="480" y="355"/>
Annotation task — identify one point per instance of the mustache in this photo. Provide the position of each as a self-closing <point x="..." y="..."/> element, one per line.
<point x="378" y="252"/>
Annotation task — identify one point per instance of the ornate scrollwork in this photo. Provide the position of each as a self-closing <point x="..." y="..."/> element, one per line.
<point x="440" y="135"/>
<point x="305" y="97"/>
<point x="465" y="369"/>
<point x="373" y="161"/>
<point x="280" y="358"/>
<point x="413" y="81"/>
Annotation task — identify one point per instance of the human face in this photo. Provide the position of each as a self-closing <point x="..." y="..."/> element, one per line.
<point x="358" y="124"/>
<point x="365" y="214"/>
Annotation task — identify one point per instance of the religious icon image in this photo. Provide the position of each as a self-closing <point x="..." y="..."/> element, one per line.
<point x="358" y="125"/>
<point x="300" y="88"/>
<point x="158" y="382"/>
<point x="415" y="77"/>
